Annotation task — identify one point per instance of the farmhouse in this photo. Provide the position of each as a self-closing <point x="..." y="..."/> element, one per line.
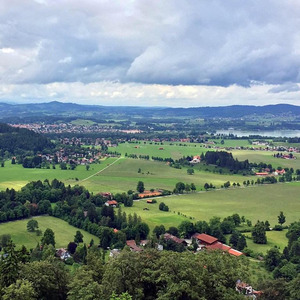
<point x="211" y="243"/>
<point x="149" y="194"/>
<point x="111" y="203"/>
<point x="133" y="247"/>
<point x="196" y="159"/>
<point x="204" y="239"/>
<point x="261" y="174"/>
<point x="168" y="236"/>
<point x="62" y="253"/>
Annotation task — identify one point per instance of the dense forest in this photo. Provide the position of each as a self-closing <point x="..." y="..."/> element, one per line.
<point x="18" y="140"/>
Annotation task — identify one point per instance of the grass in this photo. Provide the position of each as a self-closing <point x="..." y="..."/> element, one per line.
<point x="64" y="233"/>
<point x="274" y="238"/>
<point x="173" y="150"/>
<point x="267" y="157"/>
<point x="15" y="176"/>
<point x="255" y="203"/>
<point x="124" y="175"/>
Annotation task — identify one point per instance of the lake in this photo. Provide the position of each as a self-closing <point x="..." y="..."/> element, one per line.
<point x="273" y="133"/>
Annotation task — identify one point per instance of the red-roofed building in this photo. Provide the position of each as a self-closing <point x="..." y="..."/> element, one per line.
<point x="219" y="246"/>
<point x="133" y="247"/>
<point x="261" y="174"/>
<point x="112" y="203"/>
<point x="235" y="252"/>
<point x="168" y="236"/>
<point x="204" y="238"/>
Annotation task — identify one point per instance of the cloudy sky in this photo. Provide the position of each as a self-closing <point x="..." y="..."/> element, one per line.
<point x="150" y="53"/>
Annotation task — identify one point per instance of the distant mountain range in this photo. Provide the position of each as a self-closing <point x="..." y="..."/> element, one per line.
<point x="57" y="109"/>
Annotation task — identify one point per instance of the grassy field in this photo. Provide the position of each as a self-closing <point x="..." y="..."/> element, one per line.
<point x="124" y="175"/>
<point x="267" y="157"/>
<point x="255" y="203"/>
<point x="173" y="150"/>
<point x="274" y="238"/>
<point x="64" y="233"/>
<point x="15" y="176"/>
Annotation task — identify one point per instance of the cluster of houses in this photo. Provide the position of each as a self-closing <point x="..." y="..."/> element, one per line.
<point x="204" y="242"/>
<point x="267" y="172"/>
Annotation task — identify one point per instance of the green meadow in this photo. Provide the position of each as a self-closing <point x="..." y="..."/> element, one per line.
<point x="255" y="203"/>
<point x="175" y="150"/>
<point x="267" y="157"/>
<point x="123" y="175"/>
<point x="15" y="176"/>
<point x="64" y="233"/>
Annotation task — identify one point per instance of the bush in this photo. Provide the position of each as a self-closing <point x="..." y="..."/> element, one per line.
<point x="278" y="228"/>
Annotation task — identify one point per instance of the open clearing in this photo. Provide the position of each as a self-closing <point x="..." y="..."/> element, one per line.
<point x="255" y="203"/>
<point x="64" y="233"/>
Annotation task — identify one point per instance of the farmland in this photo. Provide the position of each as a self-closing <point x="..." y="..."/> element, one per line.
<point x="64" y="233"/>
<point x="255" y="203"/>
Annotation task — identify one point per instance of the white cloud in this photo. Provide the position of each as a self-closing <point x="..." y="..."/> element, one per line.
<point x="168" y="50"/>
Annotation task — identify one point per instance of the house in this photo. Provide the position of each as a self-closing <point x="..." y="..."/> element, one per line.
<point x="63" y="254"/>
<point x="204" y="239"/>
<point x="196" y="159"/>
<point x="279" y="172"/>
<point x="149" y="201"/>
<point x="111" y="203"/>
<point x="149" y="194"/>
<point x="106" y="195"/>
<point x="218" y="246"/>
<point x="211" y="243"/>
<point x="114" y="253"/>
<point x="168" y="236"/>
<point x="261" y="174"/>
<point x="133" y="246"/>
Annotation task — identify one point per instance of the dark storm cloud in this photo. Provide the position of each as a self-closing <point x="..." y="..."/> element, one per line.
<point x="162" y="42"/>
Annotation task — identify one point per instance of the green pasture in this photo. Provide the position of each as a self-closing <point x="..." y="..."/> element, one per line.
<point x="274" y="238"/>
<point x="15" y="176"/>
<point x="255" y="203"/>
<point x="123" y="176"/>
<point x="267" y="157"/>
<point x="64" y="233"/>
<point x="174" y="150"/>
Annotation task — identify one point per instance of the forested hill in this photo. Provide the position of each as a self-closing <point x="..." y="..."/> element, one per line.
<point x="16" y="140"/>
<point x="56" y="109"/>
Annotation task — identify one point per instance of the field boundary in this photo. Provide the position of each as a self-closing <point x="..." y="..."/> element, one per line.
<point x="87" y="178"/>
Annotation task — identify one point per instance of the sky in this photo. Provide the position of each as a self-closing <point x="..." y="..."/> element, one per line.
<point x="179" y="53"/>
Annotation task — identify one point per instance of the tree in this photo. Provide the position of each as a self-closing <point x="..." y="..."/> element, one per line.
<point x="272" y="259"/>
<point x="162" y="206"/>
<point x="32" y="225"/>
<point x="9" y="266"/>
<point x="49" y="279"/>
<point x="159" y="230"/>
<point x="281" y="218"/>
<point x="190" y="171"/>
<point x="179" y="188"/>
<point x="5" y="240"/>
<point x="78" y="238"/>
<point x="193" y="187"/>
<point x="21" y="290"/>
<point x="234" y="239"/>
<point x="242" y="243"/>
<point x="140" y="187"/>
<point x="48" y="237"/>
<point x="206" y="186"/>
<point x="259" y="233"/>
<point x="72" y="247"/>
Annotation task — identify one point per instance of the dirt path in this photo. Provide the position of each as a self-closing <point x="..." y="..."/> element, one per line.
<point x="100" y="170"/>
